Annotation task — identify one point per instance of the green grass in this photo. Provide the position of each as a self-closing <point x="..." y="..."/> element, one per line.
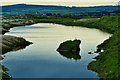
<point x="71" y="43"/>
<point x="3" y="74"/>
<point x="107" y="64"/>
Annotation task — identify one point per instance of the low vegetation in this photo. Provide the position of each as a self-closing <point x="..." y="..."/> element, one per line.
<point x="4" y="75"/>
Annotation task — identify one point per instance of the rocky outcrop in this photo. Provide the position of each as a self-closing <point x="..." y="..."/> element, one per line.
<point x="70" y="46"/>
<point x="11" y="43"/>
<point x="70" y="49"/>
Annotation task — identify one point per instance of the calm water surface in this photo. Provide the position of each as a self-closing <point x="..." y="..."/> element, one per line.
<point x="41" y="60"/>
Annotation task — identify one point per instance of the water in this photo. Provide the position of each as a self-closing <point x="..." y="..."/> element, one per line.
<point x="41" y="60"/>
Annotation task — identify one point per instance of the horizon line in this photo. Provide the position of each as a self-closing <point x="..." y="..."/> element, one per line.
<point x="64" y="4"/>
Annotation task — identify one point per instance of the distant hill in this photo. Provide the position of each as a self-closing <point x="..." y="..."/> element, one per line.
<point x="43" y="9"/>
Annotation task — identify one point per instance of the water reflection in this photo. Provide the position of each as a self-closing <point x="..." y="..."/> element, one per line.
<point x="70" y="54"/>
<point x="40" y="60"/>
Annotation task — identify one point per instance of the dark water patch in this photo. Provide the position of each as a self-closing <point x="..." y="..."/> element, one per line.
<point x="70" y="55"/>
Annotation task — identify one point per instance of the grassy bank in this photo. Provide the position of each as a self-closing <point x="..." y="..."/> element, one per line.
<point x="105" y="23"/>
<point x="107" y="64"/>
<point x="4" y="75"/>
